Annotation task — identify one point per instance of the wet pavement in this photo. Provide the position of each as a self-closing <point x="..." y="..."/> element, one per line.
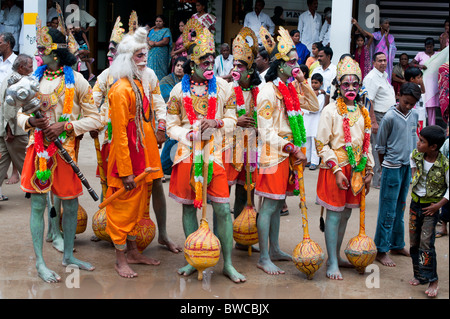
<point x="19" y="280"/>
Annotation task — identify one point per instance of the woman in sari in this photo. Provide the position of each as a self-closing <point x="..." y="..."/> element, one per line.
<point x="385" y="42"/>
<point x="398" y="73"/>
<point x="159" y="42"/>
<point x="362" y="55"/>
<point x="205" y="18"/>
<point x="178" y="49"/>
<point x="443" y="90"/>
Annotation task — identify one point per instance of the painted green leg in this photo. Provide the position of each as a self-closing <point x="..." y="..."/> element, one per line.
<point x="225" y="235"/>
<point x="336" y="223"/>
<point x="160" y="209"/>
<point x="268" y="231"/>
<point x="57" y="235"/>
<point x="190" y="225"/>
<point x="38" y="205"/>
<point x="69" y="225"/>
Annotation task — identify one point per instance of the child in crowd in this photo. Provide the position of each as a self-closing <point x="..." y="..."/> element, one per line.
<point x="444" y="216"/>
<point x="394" y="149"/>
<point x="415" y="75"/>
<point x="429" y="194"/>
<point x="312" y="122"/>
<point x="83" y="53"/>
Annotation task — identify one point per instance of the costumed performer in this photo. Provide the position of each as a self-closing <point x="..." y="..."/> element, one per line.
<point x="343" y="143"/>
<point x="282" y="134"/>
<point x="202" y="107"/>
<point x="235" y="147"/>
<point x="133" y="100"/>
<point x="68" y="111"/>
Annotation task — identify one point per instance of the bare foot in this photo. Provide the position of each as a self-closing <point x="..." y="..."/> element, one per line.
<point x="385" y="260"/>
<point x="125" y="271"/>
<point x="414" y="282"/>
<point x="170" y="245"/>
<point x="402" y="251"/>
<point x="14" y="179"/>
<point x="333" y="272"/>
<point x="95" y="238"/>
<point x="433" y="289"/>
<point x="269" y="267"/>
<point x="134" y="257"/>
<point x="186" y="270"/>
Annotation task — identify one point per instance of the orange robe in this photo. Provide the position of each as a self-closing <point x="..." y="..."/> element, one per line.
<point x="124" y="213"/>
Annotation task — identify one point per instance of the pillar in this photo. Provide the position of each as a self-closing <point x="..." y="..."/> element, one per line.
<point x="31" y="10"/>
<point x="341" y="28"/>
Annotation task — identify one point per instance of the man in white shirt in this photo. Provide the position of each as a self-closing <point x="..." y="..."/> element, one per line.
<point x="309" y="24"/>
<point x="224" y="63"/>
<point x="254" y="20"/>
<point x="85" y="19"/>
<point x="382" y="95"/>
<point x="326" y="68"/>
<point x="11" y="21"/>
<point x="324" y="36"/>
<point x="51" y="11"/>
<point x="7" y="56"/>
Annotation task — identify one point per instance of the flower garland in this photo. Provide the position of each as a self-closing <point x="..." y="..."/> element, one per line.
<point x="295" y="116"/>
<point x="348" y="137"/>
<point x="240" y="102"/>
<point x="294" y="112"/>
<point x="241" y="110"/>
<point x="44" y="154"/>
<point x="193" y="120"/>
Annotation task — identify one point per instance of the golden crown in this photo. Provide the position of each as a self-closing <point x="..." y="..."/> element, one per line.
<point x="348" y="66"/>
<point x="45" y="40"/>
<point x="242" y="48"/>
<point x="133" y="22"/>
<point x="194" y="34"/>
<point x="71" y="42"/>
<point x="285" y="45"/>
<point x="118" y="32"/>
<point x="267" y="40"/>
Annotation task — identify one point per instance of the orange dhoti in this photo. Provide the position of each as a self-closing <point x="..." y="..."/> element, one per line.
<point x="181" y="191"/>
<point x="233" y="175"/>
<point x="63" y="182"/>
<point x="124" y="213"/>
<point x="330" y="196"/>
<point x="274" y="182"/>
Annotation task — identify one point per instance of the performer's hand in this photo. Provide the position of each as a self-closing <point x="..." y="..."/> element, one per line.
<point x="93" y="134"/>
<point x="128" y="182"/>
<point x="160" y="138"/>
<point x="246" y="121"/>
<point x="300" y="77"/>
<point x="207" y="128"/>
<point x="53" y="131"/>
<point x="341" y="181"/>
<point x="41" y="123"/>
<point x="300" y="158"/>
<point x="367" y="182"/>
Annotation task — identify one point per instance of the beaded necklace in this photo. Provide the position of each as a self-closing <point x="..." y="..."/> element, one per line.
<point x="193" y="120"/>
<point x="343" y="109"/>
<point x="43" y="153"/>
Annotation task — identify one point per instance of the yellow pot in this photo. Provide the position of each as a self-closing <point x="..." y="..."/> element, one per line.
<point x="361" y="251"/>
<point x="245" y="231"/>
<point x="99" y="225"/>
<point x="202" y="249"/>
<point x="308" y="257"/>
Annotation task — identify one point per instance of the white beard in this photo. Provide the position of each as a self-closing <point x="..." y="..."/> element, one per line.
<point x="123" y="66"/>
